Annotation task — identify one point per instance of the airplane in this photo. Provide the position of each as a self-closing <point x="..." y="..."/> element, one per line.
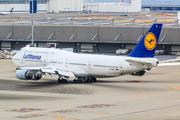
<point x="33" y="62"/>
<point x="5" y="13"/>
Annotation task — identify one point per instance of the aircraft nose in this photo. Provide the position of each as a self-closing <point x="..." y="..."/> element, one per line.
<point x="15" y="59"/>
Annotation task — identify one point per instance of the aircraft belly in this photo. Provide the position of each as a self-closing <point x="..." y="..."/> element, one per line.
<point x="104" y="75"/>
<point x="79" y="72"/>
<point x="82" y="75"/>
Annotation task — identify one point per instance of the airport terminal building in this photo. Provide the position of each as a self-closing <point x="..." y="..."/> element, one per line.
<point x="68" y="6"/>
<point x="86" y="38"/>
<point x="41" y="6"/>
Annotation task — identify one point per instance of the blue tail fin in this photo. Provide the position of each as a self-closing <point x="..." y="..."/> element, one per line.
<point x="147" y="45"/>
<point x="11" y="10"/>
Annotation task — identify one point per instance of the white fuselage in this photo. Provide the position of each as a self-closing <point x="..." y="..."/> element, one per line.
<point x="5" y="13"/>
<point x="82" y="65"/>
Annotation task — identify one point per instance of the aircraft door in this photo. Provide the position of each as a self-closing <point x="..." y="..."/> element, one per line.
<point x="121" y="68"/>
<point x="44" y="60"/>
<point x="66" y="63"/>
<point x="20" y="55"/>
<point x="89" y="65"/>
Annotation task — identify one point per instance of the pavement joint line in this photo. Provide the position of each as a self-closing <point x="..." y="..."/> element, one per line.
<point x="160" y="94"/>
<point x="135" y="97"/>
<point x="144" y="92"/>
<point x="160" y="77"/>
<point x="136" y="112"/>
<point x="141" y="96"/>
<point x="62" y="118"/>
<point x="95" y="112"/>
<point x="39" y="94"/>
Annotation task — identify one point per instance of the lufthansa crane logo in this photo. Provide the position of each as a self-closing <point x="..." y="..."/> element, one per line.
<point x="150" y="41"/>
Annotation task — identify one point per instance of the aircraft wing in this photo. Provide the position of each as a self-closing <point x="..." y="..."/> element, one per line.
<point x="135" y="62"/>
<point x="65" y="73"/>
<point x="51" y="70"/>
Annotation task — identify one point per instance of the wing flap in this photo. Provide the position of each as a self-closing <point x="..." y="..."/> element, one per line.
<point x="66" y="73"/>
<point x="48" y="70"/>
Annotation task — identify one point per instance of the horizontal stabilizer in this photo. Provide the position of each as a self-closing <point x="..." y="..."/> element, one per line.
<point x="139" y="62"/>
<point x="168" y="64"/>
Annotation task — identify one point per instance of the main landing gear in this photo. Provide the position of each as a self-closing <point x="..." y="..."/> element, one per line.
<point x="85" y="80"/>
<point x="79" y="80"/>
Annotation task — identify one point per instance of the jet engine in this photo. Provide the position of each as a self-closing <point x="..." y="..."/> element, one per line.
<point x="23" y="74"/>
<point x="36" y="76"/>
<point x="140" y="73"/>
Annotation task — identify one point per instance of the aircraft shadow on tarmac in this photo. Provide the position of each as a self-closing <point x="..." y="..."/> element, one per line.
<point x="137" y="81"/>
<point x="52" y="86"/>
<point x="49" y="82"/>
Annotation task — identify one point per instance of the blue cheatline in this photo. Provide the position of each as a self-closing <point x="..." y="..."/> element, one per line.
<point x="147" y="45"/>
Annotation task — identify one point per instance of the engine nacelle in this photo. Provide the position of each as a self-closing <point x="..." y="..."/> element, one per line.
<point x="140" y="73"/>
<point x="36" y="76"/>
<point x="23" y="74"/>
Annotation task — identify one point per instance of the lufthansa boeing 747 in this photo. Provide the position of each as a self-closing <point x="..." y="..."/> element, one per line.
<point x="34" y="62"/>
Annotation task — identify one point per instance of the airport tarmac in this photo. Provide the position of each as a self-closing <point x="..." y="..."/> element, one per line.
<point x="152" y="96"/>
<point x="42" y="17"/>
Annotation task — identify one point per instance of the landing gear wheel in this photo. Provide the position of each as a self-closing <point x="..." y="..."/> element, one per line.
<point x="74" y="81"/>
<point x="88" y="80"/>
<point x="59" y="80"/>
<point x="93" y="79"/>
<point x="62" y="81"/>
<point x="77" y="81"/>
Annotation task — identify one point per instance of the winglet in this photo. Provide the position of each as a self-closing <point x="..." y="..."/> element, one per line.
<point x="147" y="45"/>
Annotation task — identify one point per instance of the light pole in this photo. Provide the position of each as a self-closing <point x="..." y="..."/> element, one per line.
<point x="32" y="42"/>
